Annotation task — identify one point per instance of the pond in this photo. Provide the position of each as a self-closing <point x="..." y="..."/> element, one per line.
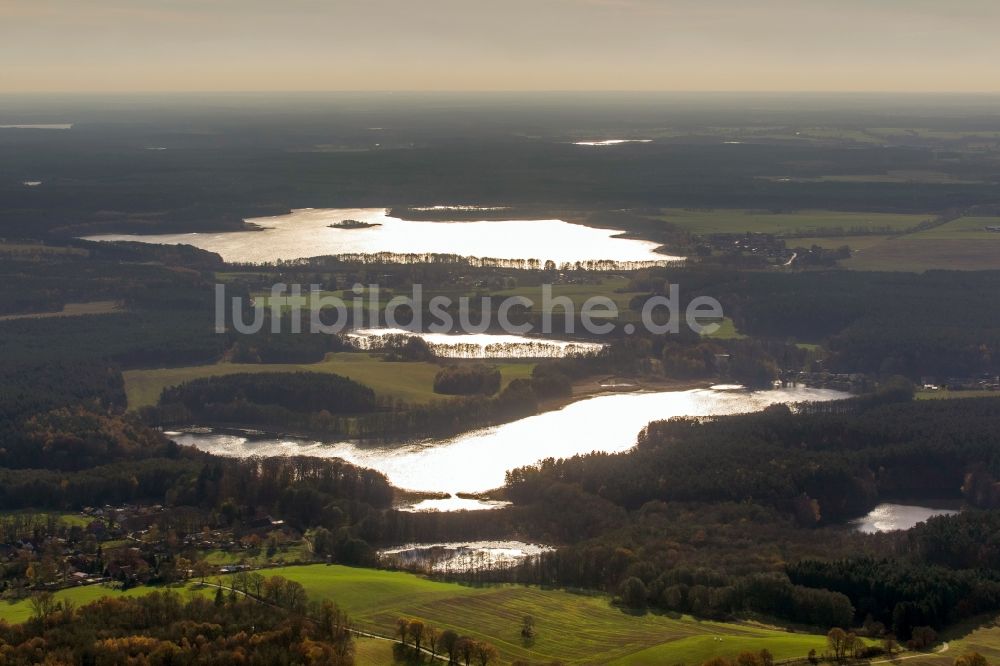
<point x="308" y="233"/>
<point x="891" y="517"/>
<point x="476" y="461"/>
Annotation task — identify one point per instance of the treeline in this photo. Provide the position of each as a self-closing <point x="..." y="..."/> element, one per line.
<point x="477" y="379"/>
<point x="295" y="391"/>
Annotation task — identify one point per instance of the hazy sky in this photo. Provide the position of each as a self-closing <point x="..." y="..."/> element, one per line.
<point x="133" y="45"/>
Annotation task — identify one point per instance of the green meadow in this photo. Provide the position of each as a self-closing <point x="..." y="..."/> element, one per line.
<point x="572" y="628"/>
<point x="408" y="381"/>
<point x="806" y="221"/>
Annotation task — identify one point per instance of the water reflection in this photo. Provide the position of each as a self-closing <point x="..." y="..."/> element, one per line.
<point x="476" y="461"/>
<point x="460" y="557"/>
<point x="891" y="517"/>
<point x="479" y="345"/>
<point x="307" y="233"/>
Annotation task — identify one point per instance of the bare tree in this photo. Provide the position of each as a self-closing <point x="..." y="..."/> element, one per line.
<point x="486" y="653"/>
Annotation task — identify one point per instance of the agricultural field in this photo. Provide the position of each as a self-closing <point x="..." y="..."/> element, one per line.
<point x="570" y="627"/>
<point x="573" y="628"/>
<point x="961" y="244"/>
<point x="917" y="254"/>
<point x="833" y="242"/>
<point x="409" y="381"/>
<point x="964" y="228"/>
<point x="71" y="310"/>
<point x="945" y="394"/>
<point x="799" y="222"/>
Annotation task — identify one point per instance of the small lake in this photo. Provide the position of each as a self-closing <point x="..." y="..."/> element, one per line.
<point x="307" y="233"/>
<point x="892" y="517"/>
<point x="476" y="461"/>
<point x="478" y="345"/>
<point x="610" y="142"/>
<point x="460" y="557"/>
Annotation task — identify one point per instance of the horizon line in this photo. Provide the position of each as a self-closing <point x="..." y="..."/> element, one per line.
<point x="522" y="91"/>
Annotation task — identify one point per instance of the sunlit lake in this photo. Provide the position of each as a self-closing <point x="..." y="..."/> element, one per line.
<point x="479" y="345"/>
<point x="610" y="142"/>
<point x="891" y="517"/>
<point x="307" y="233"/>
<point x="460" y="556"/>
<point x="476" y="461"/>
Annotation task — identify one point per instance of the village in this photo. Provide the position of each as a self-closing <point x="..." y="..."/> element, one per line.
<point x="126" y="546"/>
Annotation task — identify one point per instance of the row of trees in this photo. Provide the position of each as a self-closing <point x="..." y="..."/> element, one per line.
<point x="424" y="638"/>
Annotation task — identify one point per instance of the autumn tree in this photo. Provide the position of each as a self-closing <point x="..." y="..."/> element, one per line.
<point x="486" y="653"/>
<point x="402" y="629"/>
<point x="416" y="630"/>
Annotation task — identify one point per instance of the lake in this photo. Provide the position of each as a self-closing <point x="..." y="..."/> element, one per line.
<point x="459" y="557"/>
<point x="307" y="233"/>
<point x="476" y="461"/>
<point x="478" y="345"/>
<point x="891" y="517"/>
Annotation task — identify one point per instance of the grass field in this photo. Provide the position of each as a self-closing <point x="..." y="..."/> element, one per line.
<point x="945" y="394"/>
<point x="727" y="331"/>
<point x="20" y="611"/>
<point x="740" y="221"/>
<point x="964" y="228"/>
<point x="834" y="242"/>
<point x="571" y="627"/>
<point x="409" y="381"/>
<point x="68" y="519"/>
<point x="70" y="310"/>
<point x="292" y="553"/>
<point x="961" y="244"/>
<point x="981" y="635"/>
<point x="916" y="254"/>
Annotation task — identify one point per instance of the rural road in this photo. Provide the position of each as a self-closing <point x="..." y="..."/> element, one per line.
<point x="941" y="650"/>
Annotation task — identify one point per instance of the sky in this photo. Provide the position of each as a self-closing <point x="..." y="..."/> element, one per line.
<point x="669" y="45"/>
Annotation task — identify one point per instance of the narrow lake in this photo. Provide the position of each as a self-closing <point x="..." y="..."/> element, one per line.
<point x="307" y="233"/>
<point x="478" y="345"/>
<point x="476" y="461"/>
